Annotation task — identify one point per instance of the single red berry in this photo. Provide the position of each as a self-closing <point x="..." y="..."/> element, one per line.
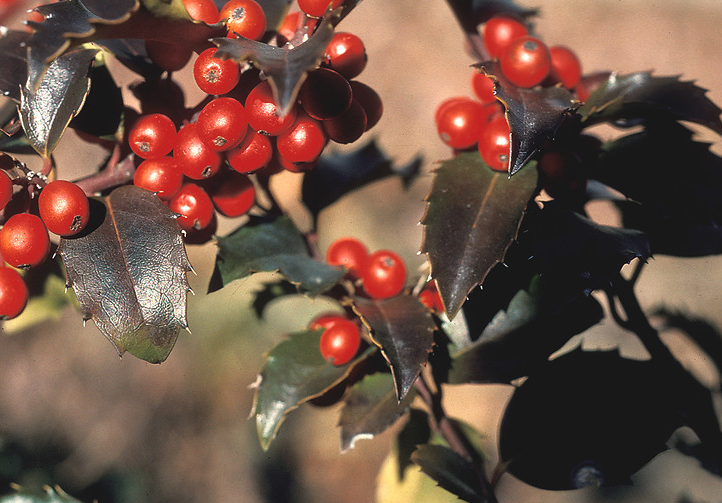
<point x="263" y="114"/>
<point x="293" y="167"/>
<point x="346" y="54"/>
<point x="325" y="321"/>
<point x="194" y="206"/>
<point x="202" y="10"/>
<point x="348" y="252"/>
<point x="232" y="193"/>
<point x="64" y="207"/>
<point x="253" y="153"/>
<point x="499" y="32"/>
<point x="214" y="75"/>
<point x="566" y="67"/>
<point x="340" y="342"/>
<point x="170" y="57"/>
<point x="13" y="293"/>
<point x="347" y="127"/>
<point x="161" y="176"/>
<point x="494" y="144"/>
<point x="483" y="87"/>
<point x="6" y="189"/>
<point x="383" y="274"/>
<point x="461" y="122"/>
<point x="152" y="135"/>
<point x="222" y="123"/>
<point x="193" y="156"/>
<point x="325" y="94"/>
<point x="303" y="141"/>
<point x="430" y="297"/>
<point x="526" y="62"/>
<point x="24" y="241"/>
<point x="369" y="100"/>
<point x="245" y="18"/>
<point x="317" y="8"/>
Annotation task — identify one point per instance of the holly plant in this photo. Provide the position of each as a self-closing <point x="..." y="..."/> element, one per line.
<point x="515" y="265"/>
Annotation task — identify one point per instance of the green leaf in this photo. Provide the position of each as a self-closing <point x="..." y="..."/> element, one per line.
<point x="403" y="328"/>
<point x="450" y="471"/>
<point x="128" y="269"/>
<point x="472" y="217"/>
<point x="269" y="245"/>
<point x="642" y="95"/>
<point x="51" y="495"/>
<point x="370" y="408"/>
<point x="338" y="173"/>
<point x="293" y="373"/>
<point x="46" y="111"/>
<point x="534" y="115"/>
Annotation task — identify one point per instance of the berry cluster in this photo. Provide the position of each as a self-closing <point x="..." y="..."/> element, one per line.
<point x="526" y="62"/>
<point x="240" y="130"/>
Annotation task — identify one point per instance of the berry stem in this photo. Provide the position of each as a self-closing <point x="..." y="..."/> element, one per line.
<point x="116" y="172"/>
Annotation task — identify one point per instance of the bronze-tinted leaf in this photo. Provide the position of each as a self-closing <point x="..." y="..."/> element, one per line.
<point x="370" y="407"/>
<point x="46" y="111"/>
<point x="472" y="217"/>
<point x="403" y="328"/>
<point x="128" y="269"/>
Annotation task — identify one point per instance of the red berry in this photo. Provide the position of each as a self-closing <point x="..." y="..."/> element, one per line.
<point x="340" y="342"/>
<point x="13" y="293"/>
<point x="290" y="24"/>
<point x="369" y="100"/>
<point x="24" y="241"/>
<point x="347" y="127"/>
<point x="194" y="206"/>
<point x="349" y="253"/>
<point x="202" y="10"/>
<point x="245" y="18"/>
<point x="460" y="122"/>
<point x="193" y="156"/>
<point x="303" y="141"/>
<point x="233" y="194"/>
<point x="317" y="8"/>
<point x="494" y="144"/>
<point x="64" y="207"/>
<point x="499" y="32"/>
<point x="526" y="62"/>
<point x="325" y="321"/>
<point x="346" y="54"/>
<point x="325" y="94"/>
<point x="483" y="87"/>
<point x="152" y="135"/>
<point x="383" y="274"/>
<point x="214" y="75"/>
<point x="263" y="114"/>
<point x="566" y="67"/>
<point x="254" y="153"/>
<point x="222" y="123"/>
<point x="161" y="176"/>
<point x="430" y="297"/>
<point x="6" y="189"/>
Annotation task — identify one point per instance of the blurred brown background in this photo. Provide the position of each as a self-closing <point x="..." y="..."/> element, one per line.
<point x="179" y="431"/>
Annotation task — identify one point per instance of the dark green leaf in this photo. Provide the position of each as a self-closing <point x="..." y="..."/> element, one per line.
<point x="415" y="432"/>
<point x="337" y="174"/>
<point x="264" y="245"/>
<point x="128" y="269"/>
<point x="294" y="372"/>
<point x="370" y="408"/>
<point x="642" y="95"/>
<point x="472" y="217"/>
<point x="403" y="328"/>
<point x="269" y="292"/>
<point x="50" y="495"/>
<point x="47" y="111"/>
<point x="534" y="115"/>
<point x="14" y="62"/>
<point x="471" y="13"/>
<point x="587" y="418"/>
<point x="103" y="108"/>
<point x="450" y="471"/>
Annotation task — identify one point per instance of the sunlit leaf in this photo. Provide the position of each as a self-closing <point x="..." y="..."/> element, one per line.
<point x="128" y="270"/>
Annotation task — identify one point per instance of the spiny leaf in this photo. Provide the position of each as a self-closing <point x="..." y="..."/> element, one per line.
<point x="588" y="418"/>
<point x="269" y="245"/>
<point x="128" y="269"/>
<point x="370" y="407"/>
<point x="642" y="95"/>
<point x="452" y="472"/>
<point x="472" y="217"/>
<point x="13" y="61"/>
<point x="46" y="111"/>
<point x="403" y="328"/>
<point x="337" y="174"/>
<point x="534" y="115"/>
<point x="293" y="373"/>
<point x="285" y="67"/>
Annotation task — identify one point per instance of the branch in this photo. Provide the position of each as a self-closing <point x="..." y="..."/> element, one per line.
<point x="116" y="172"/>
